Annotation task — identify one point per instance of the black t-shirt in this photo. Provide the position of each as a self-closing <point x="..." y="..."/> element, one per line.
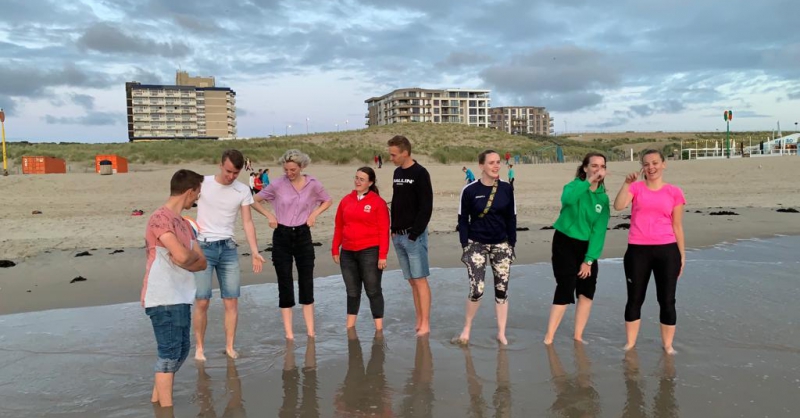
<point x="412" y="200"/>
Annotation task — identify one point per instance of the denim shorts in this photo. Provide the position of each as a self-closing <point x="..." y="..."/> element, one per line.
<point x="171" y="325"/>
<point x="221" y="256"/>
<point x="412" y="255"/>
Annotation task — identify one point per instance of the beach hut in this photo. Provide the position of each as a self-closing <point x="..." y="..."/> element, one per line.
<point x="118" y="164"/>
<point x="43" y="165"/>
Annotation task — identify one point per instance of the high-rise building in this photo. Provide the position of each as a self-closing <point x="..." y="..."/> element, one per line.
<point x="193" y="108"/>
<point x="521" y="120"/>
<point x="465" y="106"/>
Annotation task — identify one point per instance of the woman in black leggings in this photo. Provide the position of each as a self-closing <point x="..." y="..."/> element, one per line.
<point x="655" y="244"/>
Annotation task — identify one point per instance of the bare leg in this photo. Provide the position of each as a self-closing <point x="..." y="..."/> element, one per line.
<point x="556" y="314"/>
<point x="424" y="291"/>
<point x="417" y="306"/>
<point x="582" y="311"/>
<point x="286" y="313"/>
<point x="501" y="309"/>
<point x="378" y="324"/>
<point x="154" y="398"/>
<point x="632" y="331"/>
<point x="471" y="309"/>
<point x="231" y="320"/>
<point x="308" y="315"/>
<point x="667" y="335"/>
<point x="351" y="320"/>
<point x="200" y="320"/>
<point x="164" y="388"/>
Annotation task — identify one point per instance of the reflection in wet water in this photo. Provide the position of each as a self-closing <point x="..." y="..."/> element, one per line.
<point x="575" y="394"/>
<point x="664" y="403"/>
<point x="234" y="408"/>
<point x="418" y="391"/>
<point x="364" y="392"/>
<point x="300" y="396"/>
<point x="501" y="399"/>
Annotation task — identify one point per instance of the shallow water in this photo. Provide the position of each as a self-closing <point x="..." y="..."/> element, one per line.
<point x="738" y="353"/>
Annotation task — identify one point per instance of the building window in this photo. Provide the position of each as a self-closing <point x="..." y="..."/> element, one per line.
<point x="436" y="118"/>
<point x="436" y="103"/>
<point x="473" y="119"/>
<point x="473" y="103"/>
<point x="473" y="111"/>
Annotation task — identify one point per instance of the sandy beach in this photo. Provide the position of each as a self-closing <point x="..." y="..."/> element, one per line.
<point x="88" y="212"/>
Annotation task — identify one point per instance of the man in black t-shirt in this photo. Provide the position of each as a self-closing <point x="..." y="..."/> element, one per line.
<point x="412" y="206"/>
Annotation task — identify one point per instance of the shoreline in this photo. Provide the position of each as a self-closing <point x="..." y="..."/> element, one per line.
<point x="42" y="282"/>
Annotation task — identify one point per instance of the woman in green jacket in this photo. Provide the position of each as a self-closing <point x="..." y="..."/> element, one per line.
<point x="580" y="232"/>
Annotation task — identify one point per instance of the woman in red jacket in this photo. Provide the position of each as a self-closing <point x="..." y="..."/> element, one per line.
<point x="362" y="232"/>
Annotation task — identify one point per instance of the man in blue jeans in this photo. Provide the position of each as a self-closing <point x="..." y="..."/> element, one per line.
<point x="168" y="288"/>
<point x="412" y="206"/>
<point x="222" y="198"/>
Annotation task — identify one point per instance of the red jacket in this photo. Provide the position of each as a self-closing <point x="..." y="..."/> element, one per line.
<point x="361" y="224"/>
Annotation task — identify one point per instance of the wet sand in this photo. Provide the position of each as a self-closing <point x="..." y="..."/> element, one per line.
<point x="737" y="353"/>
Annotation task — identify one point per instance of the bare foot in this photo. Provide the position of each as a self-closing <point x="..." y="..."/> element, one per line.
<point x="423" y="331"/>
<point x="547" y="341"/>
<point x="463" y="339"/>
<point x="669" y="350"/>
<point x="199" y="355"/>
<point x="290" y="337"/>
<point x="502" y="339"/>
<point x="580" y="340"/>
<point x="231" y="353"/>
<point x="628" y="347"/>
<point x="311" y="335"/>
<point x="154" y="398"/>
<point x="459" y="341"/>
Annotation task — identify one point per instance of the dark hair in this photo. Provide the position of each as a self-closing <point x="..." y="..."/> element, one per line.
<point x="482" y="156"/>
<point x="371" y="175"/>
<point x="184" y="180"/>
<point x="582" y="174"/>
<point x="234" y="156"/>
<point x="401" y="142"/>
<point x="647" y="152"/>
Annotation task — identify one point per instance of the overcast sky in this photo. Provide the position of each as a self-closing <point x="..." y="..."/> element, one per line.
<point x="614" y="65"/>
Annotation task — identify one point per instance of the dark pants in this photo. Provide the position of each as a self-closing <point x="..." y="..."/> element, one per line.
<point x="293" y="244"/>
<point x="568" y="255"/>
<point x="361" y="267"/>
<point x="664" y="261"/>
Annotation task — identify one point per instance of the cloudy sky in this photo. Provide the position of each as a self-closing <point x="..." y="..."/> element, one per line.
<point x="613" y="65"/>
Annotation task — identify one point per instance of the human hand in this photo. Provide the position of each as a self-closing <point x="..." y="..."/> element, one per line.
<point x="336" y="259"/>
<point x="585" y="271"/>
<point x="513" y="254"/>
<point x="630" y="178"/>
<point x="382" y="263"/>
<point x="683" y="263"/>
<point x="258" y="262"/>
<point x="596" y="177"/>
<point x="312" y="219"/>
<point x="273" y="222"/>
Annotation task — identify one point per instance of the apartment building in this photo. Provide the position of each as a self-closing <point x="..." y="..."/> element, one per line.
<point x="521" y="120"/>
<point x="193" y="108"/>
<point x="465" y="106"/>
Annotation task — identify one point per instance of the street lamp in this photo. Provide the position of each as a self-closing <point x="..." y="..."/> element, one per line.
<point x="3" y="127"/>
<point x="337" y="127"/>
<point x="345" y="124"/>
<point x="287" y="129"/>
<point x="307" y="119"/>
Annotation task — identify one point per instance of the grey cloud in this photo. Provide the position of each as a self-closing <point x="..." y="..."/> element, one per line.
<point x="749" y="114"/>
<point x="465" y="59"/>
<point x="199" y="26"/>
<point x="102" y="37"/>
<point x="8" y="104"/>
<point x="795" y="95"/>
<point x="667" y="106"/>
<point x="90" y="119"/>
<point x="83" y="100"/>
<point x="26" y="81"/>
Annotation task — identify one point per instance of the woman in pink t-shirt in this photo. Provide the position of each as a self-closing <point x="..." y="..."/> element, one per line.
<point x="655" y="244"/>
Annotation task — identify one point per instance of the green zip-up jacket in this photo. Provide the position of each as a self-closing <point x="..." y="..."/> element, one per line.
<point x="584" y="215"/>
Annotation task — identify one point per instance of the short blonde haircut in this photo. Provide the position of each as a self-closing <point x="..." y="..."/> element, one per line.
<point x="295" y="156"/>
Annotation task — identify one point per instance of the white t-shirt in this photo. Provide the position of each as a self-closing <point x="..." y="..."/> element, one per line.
<point x="218" y="208"/>
<point x="166" y="283"/>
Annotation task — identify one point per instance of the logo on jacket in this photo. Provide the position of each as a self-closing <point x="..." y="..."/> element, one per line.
<point x="598" y="208"/>
<point x="367" y="208"/>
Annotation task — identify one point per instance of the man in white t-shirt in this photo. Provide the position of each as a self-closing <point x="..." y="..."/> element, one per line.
<point x="222" y="198"/>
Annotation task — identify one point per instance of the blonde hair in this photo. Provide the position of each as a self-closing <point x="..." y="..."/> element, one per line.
<point x="295" y="156"/>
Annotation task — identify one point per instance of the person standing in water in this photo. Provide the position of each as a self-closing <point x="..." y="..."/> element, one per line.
<point x="580" y="233"/>
<point x="487" y="228"/>
<point x="655" y="245"/>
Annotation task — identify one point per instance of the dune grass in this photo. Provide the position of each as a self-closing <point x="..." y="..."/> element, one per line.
<point x="445" y="143"/>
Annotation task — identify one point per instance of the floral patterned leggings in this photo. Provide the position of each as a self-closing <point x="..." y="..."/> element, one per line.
<point x="500" y="256"/>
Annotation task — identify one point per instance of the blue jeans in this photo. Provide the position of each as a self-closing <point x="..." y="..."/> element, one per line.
<point x="361" y="268"/>
<point x="171" y="325"/>
<point x="412" y="255"/>
<point x="221" y="256"/>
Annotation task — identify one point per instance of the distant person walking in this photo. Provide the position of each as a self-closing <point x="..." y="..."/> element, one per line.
<point x="380" y="161"/>
<point x="508" y="157"/>
<point x="655" y="245"/>
<point x="298" y="199"/>
<point x="511" y="175"/>
<point x="376" y="160"/>
<point x="253" y="183"/>
<point x="168" y="289"/>
<point x="265" y="178"/>
<point x="222" y="199"/>
<point x="580" y="233"/>
<point x="248" y="166"/>
<point x="469" y="175"/>
<point x="487" y="228"/>
<point x="361" y="244"/>
<point x="412" y="206"/>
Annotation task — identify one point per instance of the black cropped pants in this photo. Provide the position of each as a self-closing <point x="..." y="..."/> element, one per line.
<point x="664" y="262"/>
